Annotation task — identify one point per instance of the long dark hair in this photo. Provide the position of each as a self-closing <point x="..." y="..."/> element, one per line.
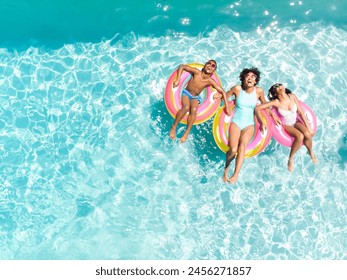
<point x="272" y="91"/>
<point x="245" y="71"/>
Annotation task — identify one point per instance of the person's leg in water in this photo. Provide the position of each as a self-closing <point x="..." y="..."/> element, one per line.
<point x="234" y="137"/>
<point x="194" y="103"/>
<point x="298" y="138"/>
<point x="245" y="138"/>
<point x="180" y="115"/>
<point x="307" y="140"/>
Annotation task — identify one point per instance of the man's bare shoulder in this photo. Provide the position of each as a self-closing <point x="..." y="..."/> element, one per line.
<point x="211" y="80"/>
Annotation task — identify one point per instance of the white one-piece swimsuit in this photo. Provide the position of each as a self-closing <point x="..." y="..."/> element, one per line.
<point x="289" y="116"/>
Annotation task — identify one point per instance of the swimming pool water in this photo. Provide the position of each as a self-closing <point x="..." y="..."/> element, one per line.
<point x="87" y="167"/>
<point x="55" y="23"/>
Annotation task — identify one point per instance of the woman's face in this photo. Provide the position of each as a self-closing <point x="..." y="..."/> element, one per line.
<point x="250" y="79"/>
<point x="278" y="88"/>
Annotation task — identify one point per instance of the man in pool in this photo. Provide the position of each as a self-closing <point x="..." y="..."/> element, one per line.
<point x="190" y="95"/>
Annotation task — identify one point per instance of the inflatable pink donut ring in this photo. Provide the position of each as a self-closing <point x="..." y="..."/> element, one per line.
<point x="172" y="97"/>
<point x="221" y="128"/>
<point x="281" y="136"/>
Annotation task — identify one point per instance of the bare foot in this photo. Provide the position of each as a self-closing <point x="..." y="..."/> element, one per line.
<point x="184" y="138"/>
<point x="232" y="179"/>
<point x="225" y="176"/>
<point x="173" y="132"/>
<point x="290" y="164"/>
<point x="314" y="159"/>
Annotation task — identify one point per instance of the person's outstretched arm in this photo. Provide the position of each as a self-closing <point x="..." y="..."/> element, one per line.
<point x="266" y="105"/>
<point x="224" y="95"/>
<point x="270" y="112"/>
<point x="180" y="69"/>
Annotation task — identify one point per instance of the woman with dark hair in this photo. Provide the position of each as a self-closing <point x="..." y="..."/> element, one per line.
<point x="288" y="107"/>
<point x="242" y="126"/>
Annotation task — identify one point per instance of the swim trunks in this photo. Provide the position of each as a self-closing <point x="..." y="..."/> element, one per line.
<point x="190" y="96"/>
<point x="244" y="109"/>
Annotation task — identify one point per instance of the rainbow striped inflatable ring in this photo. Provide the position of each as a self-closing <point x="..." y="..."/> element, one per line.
<point x="221" y="128"/>
<point x="172" y="97"/>
<point x="282" y="137"/>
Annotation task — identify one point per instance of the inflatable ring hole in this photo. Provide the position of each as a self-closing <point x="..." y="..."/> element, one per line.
<point x="203" y="95"/>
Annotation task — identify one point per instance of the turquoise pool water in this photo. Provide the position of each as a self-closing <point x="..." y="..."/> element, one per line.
<point x="87" y="169"/>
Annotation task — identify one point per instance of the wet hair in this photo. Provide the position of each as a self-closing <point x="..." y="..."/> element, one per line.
<point x="272" y="92"/>
<point x="245" y="71"/>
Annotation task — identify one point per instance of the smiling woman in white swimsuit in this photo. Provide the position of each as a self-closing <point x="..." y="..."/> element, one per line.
<point x="288" y="106"/>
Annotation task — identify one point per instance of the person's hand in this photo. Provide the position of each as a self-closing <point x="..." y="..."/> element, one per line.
<point x="228" y="111"/>
<point x="263" y="127"/>
<point x="175" y="83"/>
<point x="217" y="95"/>
<point x="277" y="120"/>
